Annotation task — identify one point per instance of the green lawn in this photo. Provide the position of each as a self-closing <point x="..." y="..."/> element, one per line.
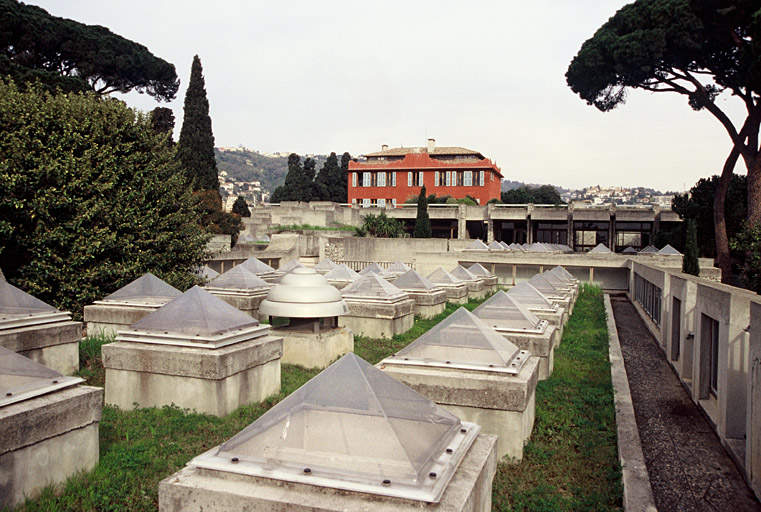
<point x="570" y="464"/>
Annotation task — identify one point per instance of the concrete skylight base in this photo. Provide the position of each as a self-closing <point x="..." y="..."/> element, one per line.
<point x="502" y="404"/>
<point x="213" y="381"/>
<point x="45" y="440"/>
<point x="55" y="345"/>
<point x="246" y="302"/>
<point x="196" y="489"/>
<point x="379" y="319"/>
<point x="107" y="319"/>
<point x="428" y="304"/>
<point x="314" y="350"/>
<point x="539" y="345"/>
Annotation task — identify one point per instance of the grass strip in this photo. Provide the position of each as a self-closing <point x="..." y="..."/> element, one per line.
<point x="571" y="462"/>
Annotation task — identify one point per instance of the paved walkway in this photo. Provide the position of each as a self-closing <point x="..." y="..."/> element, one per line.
<point x="688" y="467"/>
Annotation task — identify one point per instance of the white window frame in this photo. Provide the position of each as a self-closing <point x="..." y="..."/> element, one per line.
<point x="367" y="179"/>
<point x="354" y="179"/>
<point x="354" y="201"/>
<point x="381" y="179"/>
<point x="393" y="201"/>
<point x="409" y="178"/>
<point x="436" y="179"/>
<point x="393" y="179"/>
<point x="481" y="178"/>
<point x="382" y="203"/>
<point x="366" y="203"/>
<point x="468" y="178"/>
<point x="448" y="178"/>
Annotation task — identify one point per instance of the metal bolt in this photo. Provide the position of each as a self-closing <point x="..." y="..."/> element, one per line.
<point x="432" y="474"/>
<point x="387" y="482"/>
<point x="307" y="471"/>
<point x="449" y="450"/>
<point x="463" y="430"/>
<point x="234" y="460"/>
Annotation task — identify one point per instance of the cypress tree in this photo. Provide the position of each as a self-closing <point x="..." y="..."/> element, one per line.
<point x="690" y="264"/>
<point x="422" y="222"/>
<point x="240" y="207"/>
<point x="195" y="149"/>
<point x="344" y="188"/>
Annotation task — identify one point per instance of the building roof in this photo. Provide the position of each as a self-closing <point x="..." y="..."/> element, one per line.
<point x="439" y="151"/>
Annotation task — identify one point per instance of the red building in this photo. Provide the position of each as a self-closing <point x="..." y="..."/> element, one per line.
<point x="391" y="176"/>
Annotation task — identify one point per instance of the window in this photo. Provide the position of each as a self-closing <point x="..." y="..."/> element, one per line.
<point x="354" y="201"/>
<point x="393" y="179"/>
<point x="409" y="178"/>
<point x="709" y="348"/>
<point x="354" y="179"/>
<point x="366" y="179"/>
<point x="393" y="201"/>
<point x="481" y="178"/>
<point x="436" y="179"/>
<point x="382" y="203"/>
<point x="676" y="328"/>
<point x="381" y="179"/>
<point x="448" y="178"/>
<point x="468" y="179"/>
<point x="365" y="203"/>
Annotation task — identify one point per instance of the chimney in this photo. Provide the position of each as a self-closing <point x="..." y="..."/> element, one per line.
<point x="384" y="147"/>
<point x="431" y="145"/>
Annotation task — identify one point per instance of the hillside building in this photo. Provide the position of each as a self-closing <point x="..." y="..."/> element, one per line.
<point x="391" y="176"/>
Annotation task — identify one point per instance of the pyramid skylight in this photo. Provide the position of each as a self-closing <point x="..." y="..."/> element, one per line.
<point x="650" y="249"/>
<point x="496" y="246"/>
<point x="504" y="245"/>
<point x="529" y="296"/>
<point x="601" y="249"/>
<point x="463" y="274"/>
<point x="376" y="269"/>
<point x="290" y="265"/>
<point x="464" y="341"/>
<point x="561" y="271"/>
<point x="351" y="427"/>
<point x="557" y="281"/>
<point x="669" y="251"/>
<point x="342" y="273"/>
<point x="515" y="247"/>
<point x="563" y="275"/>
<point x="325" y="265"/>
<point x="398" y="267"/>
<point x="238" y="278"/>
<point x="629" y="250"/>
<point x="147" y="289"/>
<point x="442" y="277"/>
<point x="504" y="312"/>
<point x="257" y="266"/>
<point x="411" y="280"/>
<point x="196" y="319"/>
<point x="207" y="273"/>
<point x="372" y="286"/>
<point x="479" y="270"/>
<point x="245" y="238"/>
<point x="18" y="309"/>
<point x="477" y="245"/>
<point x="22" y="379"/>
<point x="541" y="283"/>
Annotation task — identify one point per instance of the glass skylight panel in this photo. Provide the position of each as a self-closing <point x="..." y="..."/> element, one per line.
<point x="601" y="249"/>
<point x="22" y="379"/>
<point x="504" y="246"/>
<point x="529" y="296"/>
<point x="147" y="288"/>
<point x="245" y="238"/>
<point x="541" y="283"/>
<point x="463" y="274"/>
<point x="290" y="265"/>
<point x="464" y="341"/>
<point x="342" y="273"/>
<point x="351" y="427"/>
<point x="195" y="318"/>
<point x="477" y="245"/>
<point x="376" y="269"/>
<point x="18" y="309"/>
<point x="502" y="311"/>
<point x="398" y="267"/>
<point x="256" y="266"/>
<point x="207" y="273"/>
<point x="669" y="251"/>
<point x="515" y="247"/>
<point x="629" y="250"/>
<point x="238" y="278"/>
<point x="561" y="271"/>
<point x="650" y="249"/>
<point x="556" y="281"/>
<point x="372" y="286"/>
<point x="326" y="265"/>
<point x="479" y="270"/>
<point x="411" y="280"/>
<point x="441" y="276"/>
<point x="496" y="246"/>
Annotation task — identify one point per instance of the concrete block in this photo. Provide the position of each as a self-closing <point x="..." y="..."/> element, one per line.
<point x="428" y="304"/>
<point x="55" y="345"/>
<point x="45" y="440"/>
<point x="378" y="319"/>
<point x="107" y="319"/>
<point x="195" y="490"/>
<point x="312" y="350"/>
<point x="212" y="381"/>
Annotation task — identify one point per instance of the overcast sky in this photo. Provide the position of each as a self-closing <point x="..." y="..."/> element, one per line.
<point x="320" y="76"/>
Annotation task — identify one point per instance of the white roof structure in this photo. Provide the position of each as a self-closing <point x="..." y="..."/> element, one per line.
<point x="505" y="312"/>
<point x="479" y="270"/>
<point x="18" y="309"/>
<point x="464" y="341"/>
<point x="600" y="249"/>
<point x="669" y="251"/>
<point x="442" y="277"/>
<point x="147" y="289"/>
<point x="411" y="280"/>
<point x="374" y="287"/>
<point x="529" y="296"/>
<point x="476" y="245"/>
<point x="238" y="278"/>
<point x="351" y="427"/>
<point x="22" y="379"/>
<point x="196" y="319"/>
<point x="303" y="293"/>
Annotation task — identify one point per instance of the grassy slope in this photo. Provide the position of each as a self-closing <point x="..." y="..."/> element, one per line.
<point x="571" y="462"/>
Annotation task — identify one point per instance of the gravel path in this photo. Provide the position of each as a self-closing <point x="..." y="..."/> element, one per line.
<point x="689" y="468"/>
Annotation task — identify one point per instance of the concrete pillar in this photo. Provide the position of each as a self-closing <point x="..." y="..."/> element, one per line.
<point x="753" y="421"/>
<point x="461" y="229"/>
<point x="489" y="231"/>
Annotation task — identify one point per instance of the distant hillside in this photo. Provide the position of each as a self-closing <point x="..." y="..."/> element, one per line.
<point x="243" y="164"/>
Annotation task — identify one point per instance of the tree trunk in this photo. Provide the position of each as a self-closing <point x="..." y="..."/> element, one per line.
<point x="754" y="191"/>
<point x="722" y="241"/>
